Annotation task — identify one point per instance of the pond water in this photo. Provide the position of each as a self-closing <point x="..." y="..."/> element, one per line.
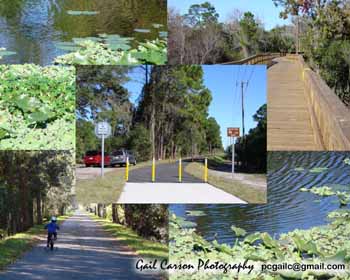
<point x="32" y="28"/>
<point x="287" y="208"/>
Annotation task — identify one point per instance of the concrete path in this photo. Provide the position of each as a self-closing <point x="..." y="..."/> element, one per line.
<point x="84" y="173"/>
<point x="165" y="173"/>
<point x="170" y="193"/>
<point x="289" y="125"/>
<point x="85" y="252"/>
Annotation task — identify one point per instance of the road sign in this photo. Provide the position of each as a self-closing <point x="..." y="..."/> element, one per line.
<point x="233" y="132"/>
<point x="103" y="128"/>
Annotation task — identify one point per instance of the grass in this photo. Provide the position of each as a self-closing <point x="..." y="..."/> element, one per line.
<point x="143" y="247"/>
<point x="108" y="189"/>
<point x="13" y="247"/>
<point x="103" y="190"/>
<point x="245" y="192"/>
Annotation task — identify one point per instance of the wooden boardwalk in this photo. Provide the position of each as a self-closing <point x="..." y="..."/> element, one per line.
<point x="290" y="126"/>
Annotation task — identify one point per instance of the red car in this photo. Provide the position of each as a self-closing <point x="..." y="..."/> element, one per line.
<point x="94" y="158"/>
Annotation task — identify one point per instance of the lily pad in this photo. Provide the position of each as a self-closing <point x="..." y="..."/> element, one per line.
<point x="141" y="30"/>
<point x="318" y="169"/>
<point x="239" y="232"/>
<point x="82" y="13"/>
<point x="6" y="53"/>
<point x="157" y="25"/>
<point x="195" y="213"/>
<point x="299" y="169"/>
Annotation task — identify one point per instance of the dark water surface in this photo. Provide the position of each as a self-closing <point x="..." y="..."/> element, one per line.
<point x="287" y="208"/>
<point x="31" y="27"/>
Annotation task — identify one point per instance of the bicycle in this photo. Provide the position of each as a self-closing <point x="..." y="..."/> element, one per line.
<point x="52" y="242"/>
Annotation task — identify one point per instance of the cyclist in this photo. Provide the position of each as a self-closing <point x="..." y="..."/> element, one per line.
<point x="52" y="228"/>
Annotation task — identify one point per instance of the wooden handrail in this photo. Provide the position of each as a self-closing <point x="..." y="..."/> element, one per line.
<point x="263" y="58"/>
<point x="331" y="115"/>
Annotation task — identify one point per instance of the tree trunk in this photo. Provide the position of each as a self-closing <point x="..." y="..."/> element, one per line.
<point x="39" y="216"/>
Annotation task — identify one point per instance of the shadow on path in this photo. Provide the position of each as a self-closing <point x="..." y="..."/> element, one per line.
<point x="85" y="252"/>
<point x="165" y="173"/>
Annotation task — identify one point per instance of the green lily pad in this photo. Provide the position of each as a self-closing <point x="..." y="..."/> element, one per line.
<point x="6" y="53"/>
<point x="141" y="30"/>
<point x="318" y="169"/>
<point x="195" y="213"/>
<point x="299" y="169"/>
<point x="238" y="231"/>
<point x="82" y="13"/>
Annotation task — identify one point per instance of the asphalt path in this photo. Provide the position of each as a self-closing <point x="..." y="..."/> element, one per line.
<point x="165" y="173"/>
<point x="85" y="252"/>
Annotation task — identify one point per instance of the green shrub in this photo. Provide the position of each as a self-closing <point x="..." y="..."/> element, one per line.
<point x="37" y="107"/>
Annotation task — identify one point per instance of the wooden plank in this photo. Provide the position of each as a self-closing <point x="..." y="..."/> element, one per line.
<point x="289" y="123"/>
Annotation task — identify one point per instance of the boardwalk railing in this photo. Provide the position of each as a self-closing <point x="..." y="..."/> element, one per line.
<point x="264" y="58"/>
<point x="330" y="115"/>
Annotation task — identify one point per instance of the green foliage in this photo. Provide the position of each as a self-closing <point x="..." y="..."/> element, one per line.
<point x="13" y="247"/>
<point x="328" y="243"/>
<point x="202" y="14"/>
<point x="33" y="185"/>
<point x="213" y="135"/>
<point x="37" y="107"/>
<point x="128" y="237"/>
<point x="115" y="53"/>
<point x="176" y="101"/>
<point x="85" y="138"/>
<point x="139" y="142"/>
<point x="343" y="196"/>
<point x="251" y="149"/>
<point x="239" y="232"/>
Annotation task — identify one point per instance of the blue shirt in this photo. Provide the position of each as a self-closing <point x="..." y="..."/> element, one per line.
<point x="52" y="227"/>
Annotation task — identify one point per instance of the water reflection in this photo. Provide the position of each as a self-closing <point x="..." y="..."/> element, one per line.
<point x="287" y="207"/>
<point x="31" y="27"/>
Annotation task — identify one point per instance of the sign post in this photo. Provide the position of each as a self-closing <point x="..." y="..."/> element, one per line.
<point x="233" y="132"/>
<point x="103" y="130"/>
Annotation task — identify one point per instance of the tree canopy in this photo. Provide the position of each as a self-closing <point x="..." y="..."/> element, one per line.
<point x="33" y="185"/>
<point x="169" y="119"/>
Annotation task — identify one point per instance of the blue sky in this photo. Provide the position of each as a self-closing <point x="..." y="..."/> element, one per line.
<point x="265" y="10"/>
<point x="226" y="104"/>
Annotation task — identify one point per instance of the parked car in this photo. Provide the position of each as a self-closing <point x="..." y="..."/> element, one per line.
<point x="119" y="157"/>
<point x="94" y="158"/>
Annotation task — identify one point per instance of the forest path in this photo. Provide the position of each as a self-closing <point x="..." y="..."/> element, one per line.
<point x="85" y="252"/>
<point x="289" y="125"/>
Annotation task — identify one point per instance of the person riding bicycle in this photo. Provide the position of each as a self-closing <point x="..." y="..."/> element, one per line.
<point x="52" y="228"/>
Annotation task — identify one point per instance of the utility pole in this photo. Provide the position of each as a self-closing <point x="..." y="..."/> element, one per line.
<point x="242" y="97"/>
<point x="243" y="127"/>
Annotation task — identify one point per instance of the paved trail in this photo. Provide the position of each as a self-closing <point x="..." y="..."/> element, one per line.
<point x="289" y="125"/>
<point x="169" y="193"/>
<point x="83" y="173"/>
<point x="168" y="190"/>
<point x="165" y="173"/>
<point x="85" y="252"/>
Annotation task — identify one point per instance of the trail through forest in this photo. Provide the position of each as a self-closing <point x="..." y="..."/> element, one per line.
<point x="85" y="252"/>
